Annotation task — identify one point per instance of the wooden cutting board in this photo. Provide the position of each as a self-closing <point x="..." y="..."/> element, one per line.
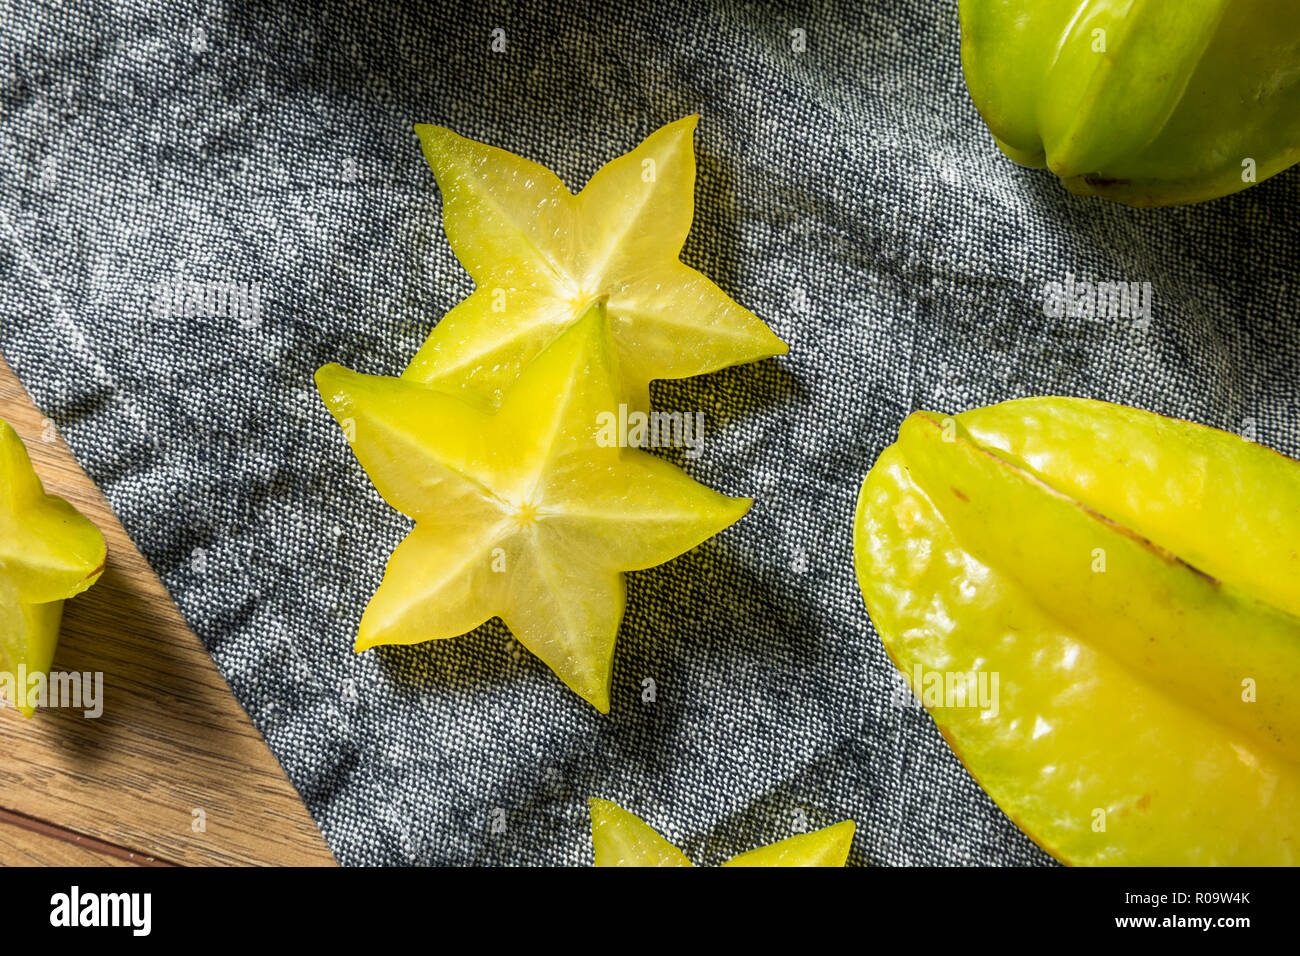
<point x="173" y="772"/>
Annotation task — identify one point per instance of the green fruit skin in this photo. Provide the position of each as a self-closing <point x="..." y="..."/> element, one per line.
<point x="1181" y="96"/>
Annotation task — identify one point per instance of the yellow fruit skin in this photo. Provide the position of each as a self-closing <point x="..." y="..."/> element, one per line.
<point x="1141" y="604"/>
<point x="1171" y="481"/>
<point x="48" y="552"/>
<point x="1102" y="751"/>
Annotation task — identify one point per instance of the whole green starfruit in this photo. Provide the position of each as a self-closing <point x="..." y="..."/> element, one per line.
<point x="1147" y="102"/>
<point x="1100" y="607"/>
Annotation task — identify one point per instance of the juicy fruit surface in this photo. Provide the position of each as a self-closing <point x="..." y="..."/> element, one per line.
<point x="1180" y="96"/>
<point x="1120" y="734"/>
<point x="48" y="552"/>
<point x="521" y="512"/>
<point x="540" y="256"/>
<point x="623" y="839"/>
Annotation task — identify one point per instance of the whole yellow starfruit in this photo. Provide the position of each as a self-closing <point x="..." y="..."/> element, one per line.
<point x="1100" y="607"/>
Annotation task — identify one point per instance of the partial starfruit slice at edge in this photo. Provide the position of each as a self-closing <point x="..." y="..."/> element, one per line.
<point x="623" y="839"/>
<point x="539" y="256"/>
<point x="1129" y="588"/>
<point x="1145" y="102"/>
<point x="529" y="512"/>
<point x="48" y="552"/>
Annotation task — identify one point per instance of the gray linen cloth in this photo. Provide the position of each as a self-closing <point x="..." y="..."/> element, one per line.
<point x="848" y="194"/>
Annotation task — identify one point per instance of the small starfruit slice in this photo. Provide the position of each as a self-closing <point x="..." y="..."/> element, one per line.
<point x="826" y="847"/>
<point x="1128" y="588"/>
<point x="48" y="552"/>
<point x="529" y="512"/>
<point x="623" y="839"/>
<point x="540" y="256"/>
<point x="1145" y="102"/>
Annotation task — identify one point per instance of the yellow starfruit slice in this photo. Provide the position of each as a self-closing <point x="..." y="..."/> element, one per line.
<point x="539" y="257"/>
<point x="826" y="847"/>
<point x="1099" y="606"/>
<point x="623" y="839"/>
<point x="1145" y="102"/>
<point x="48" y="552"/>
<point x="529" y="512"/>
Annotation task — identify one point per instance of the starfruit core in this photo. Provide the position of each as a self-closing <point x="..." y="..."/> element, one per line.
<point x="521" y="512"/>
<point x="539" y="256"/>
<point x="48" y="552"/>
<point x="1146" y="102"/>
<point x="620" y="838"/>
<point x="1134" y="582"/>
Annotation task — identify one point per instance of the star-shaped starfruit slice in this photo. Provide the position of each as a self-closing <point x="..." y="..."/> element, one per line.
<point x="48" y="552"/>
<point x="540" y="255"/>
<point x="528" y="512"/>
<point x="622" y="839"/>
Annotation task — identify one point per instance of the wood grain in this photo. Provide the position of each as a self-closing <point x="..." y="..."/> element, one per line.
<point x="22" y="847"/>
<point x="173" y="769"/>
<point x="28" y="842"/>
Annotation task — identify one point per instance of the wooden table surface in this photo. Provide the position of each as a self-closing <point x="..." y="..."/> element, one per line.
<point x="173" y="772"/>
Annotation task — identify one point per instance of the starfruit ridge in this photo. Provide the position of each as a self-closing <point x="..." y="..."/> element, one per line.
<point x="1078" y="732"/>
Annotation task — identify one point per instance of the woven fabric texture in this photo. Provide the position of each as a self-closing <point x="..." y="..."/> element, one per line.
<point x="848" y="194"/>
